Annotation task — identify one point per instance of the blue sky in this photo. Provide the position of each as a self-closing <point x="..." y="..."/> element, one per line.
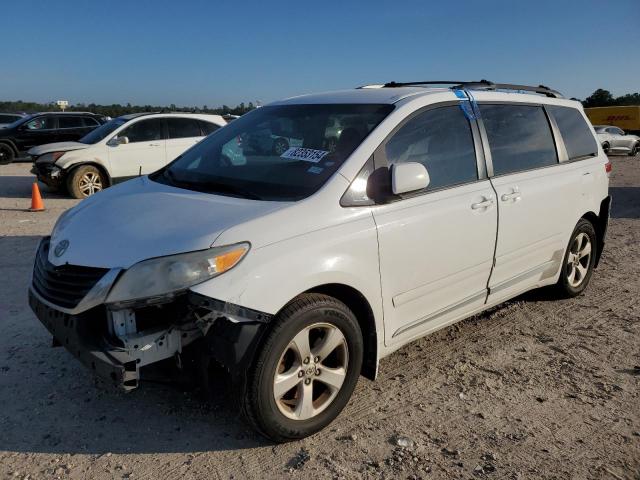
<point x="215" y="52"/>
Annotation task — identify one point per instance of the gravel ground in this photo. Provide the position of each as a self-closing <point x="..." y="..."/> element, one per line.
<point x="532" y="389"/>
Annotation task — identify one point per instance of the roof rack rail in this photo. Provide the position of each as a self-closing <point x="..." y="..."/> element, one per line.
<point x="478" y="85"/>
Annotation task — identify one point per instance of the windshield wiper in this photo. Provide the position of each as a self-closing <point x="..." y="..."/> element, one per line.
<point x="220" y="187"/>
<point x="211" y="186"/>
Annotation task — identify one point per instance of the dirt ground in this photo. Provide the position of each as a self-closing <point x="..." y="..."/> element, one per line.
<point x="532" y="389"/>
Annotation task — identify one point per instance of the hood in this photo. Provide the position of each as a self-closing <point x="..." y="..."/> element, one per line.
<point x="57" y="147"/>
<point x="142" y="219"/>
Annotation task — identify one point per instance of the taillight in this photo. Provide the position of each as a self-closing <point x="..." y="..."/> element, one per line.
<point x="608" y="166"/>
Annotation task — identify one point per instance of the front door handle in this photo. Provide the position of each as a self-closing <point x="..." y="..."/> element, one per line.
<point x="154" y="144"/>
<point x="514" y="195"/>
<point x="486" y="203"/>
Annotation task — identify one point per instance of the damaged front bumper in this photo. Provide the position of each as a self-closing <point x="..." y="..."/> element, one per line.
<point x="49" y="173"/>
<point x="116" y="341"/>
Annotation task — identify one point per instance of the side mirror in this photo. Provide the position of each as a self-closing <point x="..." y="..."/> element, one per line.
<point x="408" y="177"/>
<point x="114" y="142"/>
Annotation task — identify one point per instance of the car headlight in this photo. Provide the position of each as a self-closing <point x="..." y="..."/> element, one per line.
<point x="164" y="275"/>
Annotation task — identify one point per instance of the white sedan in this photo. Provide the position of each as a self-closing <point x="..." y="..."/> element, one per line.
<point x="615" y="140"/>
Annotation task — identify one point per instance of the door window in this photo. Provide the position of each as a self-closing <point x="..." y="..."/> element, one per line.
<point x="575" y="133"/>
<point x="519" y="136"/>
<point x="70" y="122"/>
<point x="441" y="140"/>
<point x="40" y="123"/>
<point x="183" y="128"/>
<point x="144" y="131"/>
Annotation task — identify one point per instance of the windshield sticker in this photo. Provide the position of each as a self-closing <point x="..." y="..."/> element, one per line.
<point x="315" y="170"/>
<point x="304" y="154"/>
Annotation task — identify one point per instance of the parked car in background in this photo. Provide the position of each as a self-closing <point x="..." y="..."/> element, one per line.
<point x="39" y="128"/>
<point x="615" y="140"/>
<point x="297" y="272"/>
<point x="626" y="117"/>
<point x="9" y="118"/>
<point x="122" y="148"/>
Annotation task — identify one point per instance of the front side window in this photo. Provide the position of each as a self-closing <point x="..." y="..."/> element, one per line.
<point x="144" y="131"/>
<point x="9" y="118"/>
<point x="40" y="123"/>
<point x="278" y="152"/>
<point x="519" y="136"/>
<point x="183" y="128"/>
<point x="441" y="140"/>
<point x="70" y="122"/>
<point x="575" y="133"/>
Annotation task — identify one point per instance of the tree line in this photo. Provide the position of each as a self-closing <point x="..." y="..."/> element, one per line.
<point x="115" y="110"/>
<point x="599" y="98"/>
<point x="603" y="98"/>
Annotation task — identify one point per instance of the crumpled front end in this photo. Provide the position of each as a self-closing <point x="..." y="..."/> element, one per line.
<point x="116" y="340"/>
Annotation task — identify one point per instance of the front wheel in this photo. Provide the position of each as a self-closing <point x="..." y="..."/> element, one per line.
<point x="307" y="369"/>
<point x="84" y="181"/>
<point x="606" y="148"/>
<point x="579" y="260"/>
<point x="280" y="146"/>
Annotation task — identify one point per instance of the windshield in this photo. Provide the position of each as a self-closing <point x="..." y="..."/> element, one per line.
<point x="280" y="152"/>
<point x="102" y="131"/>
<point x="600" y="129"/>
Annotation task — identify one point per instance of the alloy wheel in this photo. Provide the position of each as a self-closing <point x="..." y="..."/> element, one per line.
<point x="90" y="183"/>
<point x="311" y="371"/>
<point x="578" y="259"/>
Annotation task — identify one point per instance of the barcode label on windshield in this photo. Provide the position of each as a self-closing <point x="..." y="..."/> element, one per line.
<point x="305" y="154"/>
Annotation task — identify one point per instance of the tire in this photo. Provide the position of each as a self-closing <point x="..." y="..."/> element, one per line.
<point x="318" y="318"/>
<point x="7" y="155"/>
<point x="84" y="181"/>
<point x="635" y="150"/>
<point x="280" y="146"/>
<point x="606" y="147"/>
<point x="576" y="272"/>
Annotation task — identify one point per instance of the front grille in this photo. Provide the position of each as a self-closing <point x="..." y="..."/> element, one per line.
<point x="65" y="285"/>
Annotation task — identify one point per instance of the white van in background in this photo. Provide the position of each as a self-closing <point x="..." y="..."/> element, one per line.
<point x="122" y="148"/>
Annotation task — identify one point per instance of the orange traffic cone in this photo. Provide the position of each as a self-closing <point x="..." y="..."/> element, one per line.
<point x="36" y="199"/>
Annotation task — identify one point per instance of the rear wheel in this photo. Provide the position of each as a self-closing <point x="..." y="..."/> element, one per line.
<point x="606" y="147"/>
<point x="579" y="260"/>
<point x="7" y="154"/>
<point x="84" y="181"/>
<point x="635" y="150"/>
<point x="307" y="369"/>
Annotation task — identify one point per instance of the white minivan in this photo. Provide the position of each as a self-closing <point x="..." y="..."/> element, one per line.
<point x="122" y="148"/>
<point x="299" y="270"/>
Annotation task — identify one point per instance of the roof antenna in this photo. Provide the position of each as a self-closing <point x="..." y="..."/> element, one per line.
<point x="140" y="171"/>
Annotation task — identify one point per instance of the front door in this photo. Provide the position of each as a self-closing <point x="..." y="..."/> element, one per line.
<point x="145" y="153"/>
<point x="37" y="131"/>
<point x="436" y="246"/>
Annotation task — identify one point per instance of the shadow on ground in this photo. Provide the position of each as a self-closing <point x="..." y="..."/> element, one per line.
<point x="625" y="202"/>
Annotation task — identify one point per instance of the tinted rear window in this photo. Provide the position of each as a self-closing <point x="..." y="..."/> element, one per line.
<point x="519" y="136"/>
<point x="576" y="135"/>
<point x="70" y="122"/>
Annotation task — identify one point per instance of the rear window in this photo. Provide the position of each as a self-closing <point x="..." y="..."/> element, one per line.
<point x="576" y="135"/>
<point x="208" y="127"/>
<point x="70" y="122"/>
<point x="519" y="136"/>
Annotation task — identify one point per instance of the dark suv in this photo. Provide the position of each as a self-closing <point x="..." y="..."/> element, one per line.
<point x="40" y="128"/>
